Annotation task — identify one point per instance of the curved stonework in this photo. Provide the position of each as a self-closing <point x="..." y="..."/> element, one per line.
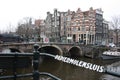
<point x="51" y="49"/>
<point x="75" y="51"/>
<point x="9" y="50"/>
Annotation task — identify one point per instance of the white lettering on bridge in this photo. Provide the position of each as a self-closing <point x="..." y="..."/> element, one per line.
<point x="83" y="64"/>
<point x="112" y="53"/>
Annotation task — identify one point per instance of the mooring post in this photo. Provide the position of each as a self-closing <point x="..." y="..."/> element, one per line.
<point x="36" y="62"/>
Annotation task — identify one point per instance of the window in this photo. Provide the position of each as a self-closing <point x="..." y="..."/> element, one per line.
<point x="58" y="23"/>
<point x="74" y="29"/>
<point x="83" y="28"/>
<point x="68" y="23"/>
<point x="69" y="35"/>
<point x="79" y="35"/>
<point x="68" y="18"/>
<point x="84" y="35"/>
<point x="78" y="28"/>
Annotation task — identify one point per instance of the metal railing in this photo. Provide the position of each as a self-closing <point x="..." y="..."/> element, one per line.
<point x="35" y="74"/>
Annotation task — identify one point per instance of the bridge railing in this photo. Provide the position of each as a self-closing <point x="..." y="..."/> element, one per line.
<point x="35" y="74"/>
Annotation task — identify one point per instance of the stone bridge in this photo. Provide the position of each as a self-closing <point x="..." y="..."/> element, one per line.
<point x="52" y="48"/>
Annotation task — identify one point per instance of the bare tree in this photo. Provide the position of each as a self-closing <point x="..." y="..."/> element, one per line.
<point x="25" y="28"/>
<point x="10" y="28"/>
<point x="116" y="26"/>
<point x="38" y="33"/>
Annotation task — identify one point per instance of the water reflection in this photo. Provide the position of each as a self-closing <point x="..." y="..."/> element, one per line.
<point x="109" y="77"/>
<point x="67" y="71"/>
<point x="71" y="72"/>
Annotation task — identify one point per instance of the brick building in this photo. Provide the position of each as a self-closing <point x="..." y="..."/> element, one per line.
<point x="81" y="27"/>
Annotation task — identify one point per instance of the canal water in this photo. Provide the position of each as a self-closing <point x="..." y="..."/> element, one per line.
<point x="67" y="71"/>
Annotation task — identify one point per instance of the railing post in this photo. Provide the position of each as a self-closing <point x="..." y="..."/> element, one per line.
<point x="15" y="66"/>
<point x="36" y="63"/>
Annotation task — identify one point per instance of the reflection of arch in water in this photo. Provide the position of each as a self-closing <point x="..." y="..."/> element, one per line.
<point x="48" y="63"/>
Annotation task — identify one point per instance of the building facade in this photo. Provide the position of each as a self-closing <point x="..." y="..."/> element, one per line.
<point x="52" y="25"/>
<point x="85" y="27"/>
<point x="55" y="25"/>
<point x="39" y="30"/>
<point x="112" y="37"/>
<point x="81" y="27"/>
<point x="105" y="33"/>
<point x="119" y="38"/>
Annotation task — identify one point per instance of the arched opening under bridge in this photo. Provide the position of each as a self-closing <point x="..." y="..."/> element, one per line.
<point x="51" y="49"/>
<point x="9" y="50"/>
<point x="75" y="51"/>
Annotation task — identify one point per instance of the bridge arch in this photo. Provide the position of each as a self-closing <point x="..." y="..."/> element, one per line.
<point x="75" y="51"/>
<point x="51" y="49"/>
<point x="9" y="50"/>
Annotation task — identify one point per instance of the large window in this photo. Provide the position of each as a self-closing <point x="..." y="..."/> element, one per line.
<point x="74" y="29"/>
<point x="78" y="28"/>
<point x="83" y="28"/>
<point x="68" y="18"/>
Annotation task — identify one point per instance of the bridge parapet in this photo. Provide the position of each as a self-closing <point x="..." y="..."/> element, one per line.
<point x="59" y="48"/>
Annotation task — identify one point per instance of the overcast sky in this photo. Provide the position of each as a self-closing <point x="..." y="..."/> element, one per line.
<point x="12" y="11"/>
